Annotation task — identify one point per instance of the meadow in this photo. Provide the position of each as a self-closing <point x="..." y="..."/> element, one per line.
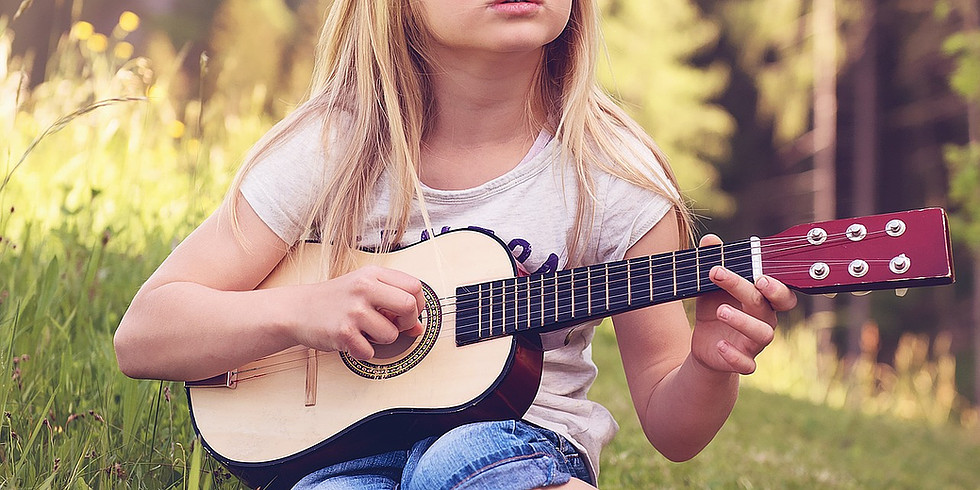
<point x="104" y="169"/>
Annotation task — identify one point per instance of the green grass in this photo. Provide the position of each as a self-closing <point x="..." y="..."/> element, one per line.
<point x="94" y="207"/>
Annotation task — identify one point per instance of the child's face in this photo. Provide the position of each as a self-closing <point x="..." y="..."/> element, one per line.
<point x="494" y="26"/>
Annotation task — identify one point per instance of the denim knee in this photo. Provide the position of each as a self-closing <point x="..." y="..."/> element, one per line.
<point x="487" y="455"/>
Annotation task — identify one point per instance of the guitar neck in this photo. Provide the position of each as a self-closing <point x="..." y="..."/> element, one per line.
<point x="885" y="251"/>
<point x="555" y="300"/>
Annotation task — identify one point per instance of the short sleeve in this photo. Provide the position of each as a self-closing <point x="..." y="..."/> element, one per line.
<point x="283" y="184"/>
<point x="626" y="212"/>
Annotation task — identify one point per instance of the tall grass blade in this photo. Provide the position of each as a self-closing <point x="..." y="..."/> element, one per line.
<point x="30" y="440"/>
<point x="26" y="4"/>
<point x="60" y="124"/>
<point x="194" y="476"/>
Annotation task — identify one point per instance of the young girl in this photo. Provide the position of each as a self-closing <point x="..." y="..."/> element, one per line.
<point x="425" y="117"/>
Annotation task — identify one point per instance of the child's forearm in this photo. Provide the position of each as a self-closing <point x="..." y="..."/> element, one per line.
<point x="187" y="331"/>
<point x="687" y="409"/>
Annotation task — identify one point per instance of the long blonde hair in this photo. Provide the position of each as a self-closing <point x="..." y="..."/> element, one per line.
<point x="369" y="84"/>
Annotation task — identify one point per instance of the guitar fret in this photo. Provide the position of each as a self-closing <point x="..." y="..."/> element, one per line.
<point x="480" y="309"/>
<point x="712" y="256"/>
<point x="503" y="307"/>
<point x="597" y="287"/>
<point x="588" y="287"/>
<point x="573" y="292"/>
<point x="618" y="281"/>
<point x="510" y="299"/>
<point x="565" y="295"/>
<point x="697" y="268"/>
<point x="629" y="285"/>
<point x="550" y="298"/>
<point x="663" y="285"/>
<point x="542" y="300"/>
<point x="637" y="280"/>
<point x="557" y="305"/>
<point x="520" y="299"/>
<point x="606" y="272"/>
<point x="673" y="266"/>
<point x="527" y="303"/>
<point x="650" y="276"/>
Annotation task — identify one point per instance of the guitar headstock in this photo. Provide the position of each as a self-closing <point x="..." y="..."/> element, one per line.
<point x="884" y="251"/>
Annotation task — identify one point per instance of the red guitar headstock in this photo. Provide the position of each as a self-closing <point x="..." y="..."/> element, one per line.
<point x="884" y="251"/>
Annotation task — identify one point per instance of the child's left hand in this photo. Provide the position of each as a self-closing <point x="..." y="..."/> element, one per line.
<point x="734" y="325"/>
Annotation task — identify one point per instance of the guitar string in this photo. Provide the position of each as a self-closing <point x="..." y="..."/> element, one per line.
<point x="773" y="245"/>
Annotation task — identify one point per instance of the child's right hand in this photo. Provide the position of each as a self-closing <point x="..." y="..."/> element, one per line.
<point x="371" y="305"/>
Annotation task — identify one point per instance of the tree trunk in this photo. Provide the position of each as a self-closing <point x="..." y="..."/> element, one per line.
<point x="971" y="21"/>
<point x="824" y="143"/>
<point x="865" y="151"/>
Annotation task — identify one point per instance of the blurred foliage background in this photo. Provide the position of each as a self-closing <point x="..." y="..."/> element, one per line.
<point x="774" y="112"/>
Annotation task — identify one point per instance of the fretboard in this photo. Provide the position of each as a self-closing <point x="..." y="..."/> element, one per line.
<point x="544" y="302"/>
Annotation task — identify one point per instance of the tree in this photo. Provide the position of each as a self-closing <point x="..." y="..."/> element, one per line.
<point x="964" y="160"/>
<point x="651" y="45"/>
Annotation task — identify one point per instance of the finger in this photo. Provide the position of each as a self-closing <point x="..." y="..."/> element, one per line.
<point x="414" y="329"/>
<point x="397" y="305"/>
<point x="739" y="361"/>
<point x="358" y="347"/>
<point x="752" y="300"/>
<point x="708" y="240"/>
<point x="757" y="333"/>
<point x="707" y="304"/>
<point x="377" y="328"/>
<point x="779" y="296"/>
<point x="405" y="282"/>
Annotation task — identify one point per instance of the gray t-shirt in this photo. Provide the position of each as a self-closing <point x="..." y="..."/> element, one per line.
<point x="532" y="210"/>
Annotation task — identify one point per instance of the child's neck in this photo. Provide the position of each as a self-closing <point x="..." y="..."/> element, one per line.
<point x="481" y="125"/>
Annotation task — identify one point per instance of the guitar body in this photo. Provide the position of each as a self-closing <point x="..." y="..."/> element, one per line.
<point x="416" y="388"/>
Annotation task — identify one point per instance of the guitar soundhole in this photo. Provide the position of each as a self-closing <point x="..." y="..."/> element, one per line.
<point x="406" y="352"/>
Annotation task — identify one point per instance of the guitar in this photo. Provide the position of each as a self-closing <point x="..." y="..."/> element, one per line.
<point x="279" y="418"/>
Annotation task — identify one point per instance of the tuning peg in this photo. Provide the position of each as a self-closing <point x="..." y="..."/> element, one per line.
<point x="830" y="295"/>
<point x="900" y="292"/>
<point x="860" y="293"/>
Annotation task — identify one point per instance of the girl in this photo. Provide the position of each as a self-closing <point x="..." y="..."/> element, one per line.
<point x="426" y="116"/>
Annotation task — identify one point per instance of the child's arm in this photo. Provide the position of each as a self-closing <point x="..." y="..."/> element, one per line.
<point x="198" y="315"/>
<point x="683" y="383"/>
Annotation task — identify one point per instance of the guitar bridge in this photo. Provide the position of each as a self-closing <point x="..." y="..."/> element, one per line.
<point x="226" y="380"/>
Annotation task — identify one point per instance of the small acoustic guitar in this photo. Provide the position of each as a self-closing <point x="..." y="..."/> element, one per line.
<point x="279" y="418"/>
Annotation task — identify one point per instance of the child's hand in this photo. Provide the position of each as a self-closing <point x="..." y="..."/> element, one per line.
<point x="372" y="305"/>
<point x="734" y="325"/>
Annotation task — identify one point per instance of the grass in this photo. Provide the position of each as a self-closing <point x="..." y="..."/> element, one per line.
<point x="126" y="169"/>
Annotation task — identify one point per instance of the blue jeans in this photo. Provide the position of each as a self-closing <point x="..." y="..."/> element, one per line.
<point x="485" y="455"/>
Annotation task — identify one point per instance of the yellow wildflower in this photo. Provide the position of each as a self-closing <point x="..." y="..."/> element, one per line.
<point x="156" y="92"/>
<point x="176" y="129"/>
<point x="97" y="43"/>
<point x="123" y="50"/>
<point x="129" y="21"/>
<point x="82" y="30"/>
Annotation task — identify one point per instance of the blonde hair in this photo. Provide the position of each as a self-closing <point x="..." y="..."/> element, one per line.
<point x="369" y="84"/>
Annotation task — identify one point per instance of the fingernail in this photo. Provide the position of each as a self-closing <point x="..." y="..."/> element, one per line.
<point x="763" y="282"/>
<point x="724" y="312"/>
